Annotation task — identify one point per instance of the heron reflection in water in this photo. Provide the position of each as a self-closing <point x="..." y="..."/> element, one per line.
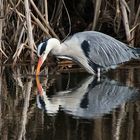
<point x="94" y="51"/>
<point x="90" y="99"/>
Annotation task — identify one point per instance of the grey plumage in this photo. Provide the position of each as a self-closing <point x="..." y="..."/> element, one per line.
<point x="92" y="50"/>
<point x="104" y="50"/>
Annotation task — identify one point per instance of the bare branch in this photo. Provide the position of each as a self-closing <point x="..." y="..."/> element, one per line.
<point x="96" y="13"/>
<point x="125" y="20"/>
<point x="42" y="18"/>
<point x="29" y="27"/>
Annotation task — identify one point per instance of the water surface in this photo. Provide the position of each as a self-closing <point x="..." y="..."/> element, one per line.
<point x="73" y="106"/>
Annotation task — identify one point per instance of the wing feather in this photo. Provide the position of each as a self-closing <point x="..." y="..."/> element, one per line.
<point x="105" y="50"/>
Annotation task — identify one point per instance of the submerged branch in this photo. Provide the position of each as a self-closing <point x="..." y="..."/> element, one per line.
<point x="27" y="92"/>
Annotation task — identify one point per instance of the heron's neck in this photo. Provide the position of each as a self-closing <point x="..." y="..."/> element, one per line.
<point x="73" y="52"/>
<point x="60" y="50"/>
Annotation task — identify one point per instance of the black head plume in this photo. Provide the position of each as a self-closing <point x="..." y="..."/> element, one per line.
<point x="42" y="47"/>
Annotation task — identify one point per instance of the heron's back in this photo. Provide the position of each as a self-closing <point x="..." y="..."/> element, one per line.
<point x="102" y="49"/>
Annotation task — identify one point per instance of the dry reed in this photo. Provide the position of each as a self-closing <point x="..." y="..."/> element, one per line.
<point x="58" y="18"/>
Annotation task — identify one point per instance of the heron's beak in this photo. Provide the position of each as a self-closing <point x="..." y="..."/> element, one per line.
<point x="40" y="62"/>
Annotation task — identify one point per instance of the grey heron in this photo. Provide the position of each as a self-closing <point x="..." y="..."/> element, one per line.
<point x="90" y="49"/>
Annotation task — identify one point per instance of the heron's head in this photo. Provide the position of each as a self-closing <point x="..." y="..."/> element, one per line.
<point x="43" y="50"/>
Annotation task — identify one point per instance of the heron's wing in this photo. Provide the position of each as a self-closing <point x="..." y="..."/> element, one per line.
<point x="105" y="50"/>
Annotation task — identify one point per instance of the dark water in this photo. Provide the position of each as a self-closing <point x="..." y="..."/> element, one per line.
<point x="73" y="106"/>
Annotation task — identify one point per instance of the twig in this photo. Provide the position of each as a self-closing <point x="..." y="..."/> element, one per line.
<point x="17" y="53"/>
<point x="29" y="27"/>
<point x="132" y="31"/>
<point x="58" y="13"/>
<point x="40" y="15"/>
<point x="53" y="13"/>
<point x="1" y="26"/>
<point x="125" y="20"/>
<point x="3" y="53"/>
<point x="68" y="20"/>
<point x="46" y="11"/>
<point x="137" y="15"/>
<point x="132" y="11"/>
<point x="40" y="25"/>
<point x="117" y="19"/>
<point x="96" y="12"/>
<point x="126" y="5"/>
<point x="21" y="35"/>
